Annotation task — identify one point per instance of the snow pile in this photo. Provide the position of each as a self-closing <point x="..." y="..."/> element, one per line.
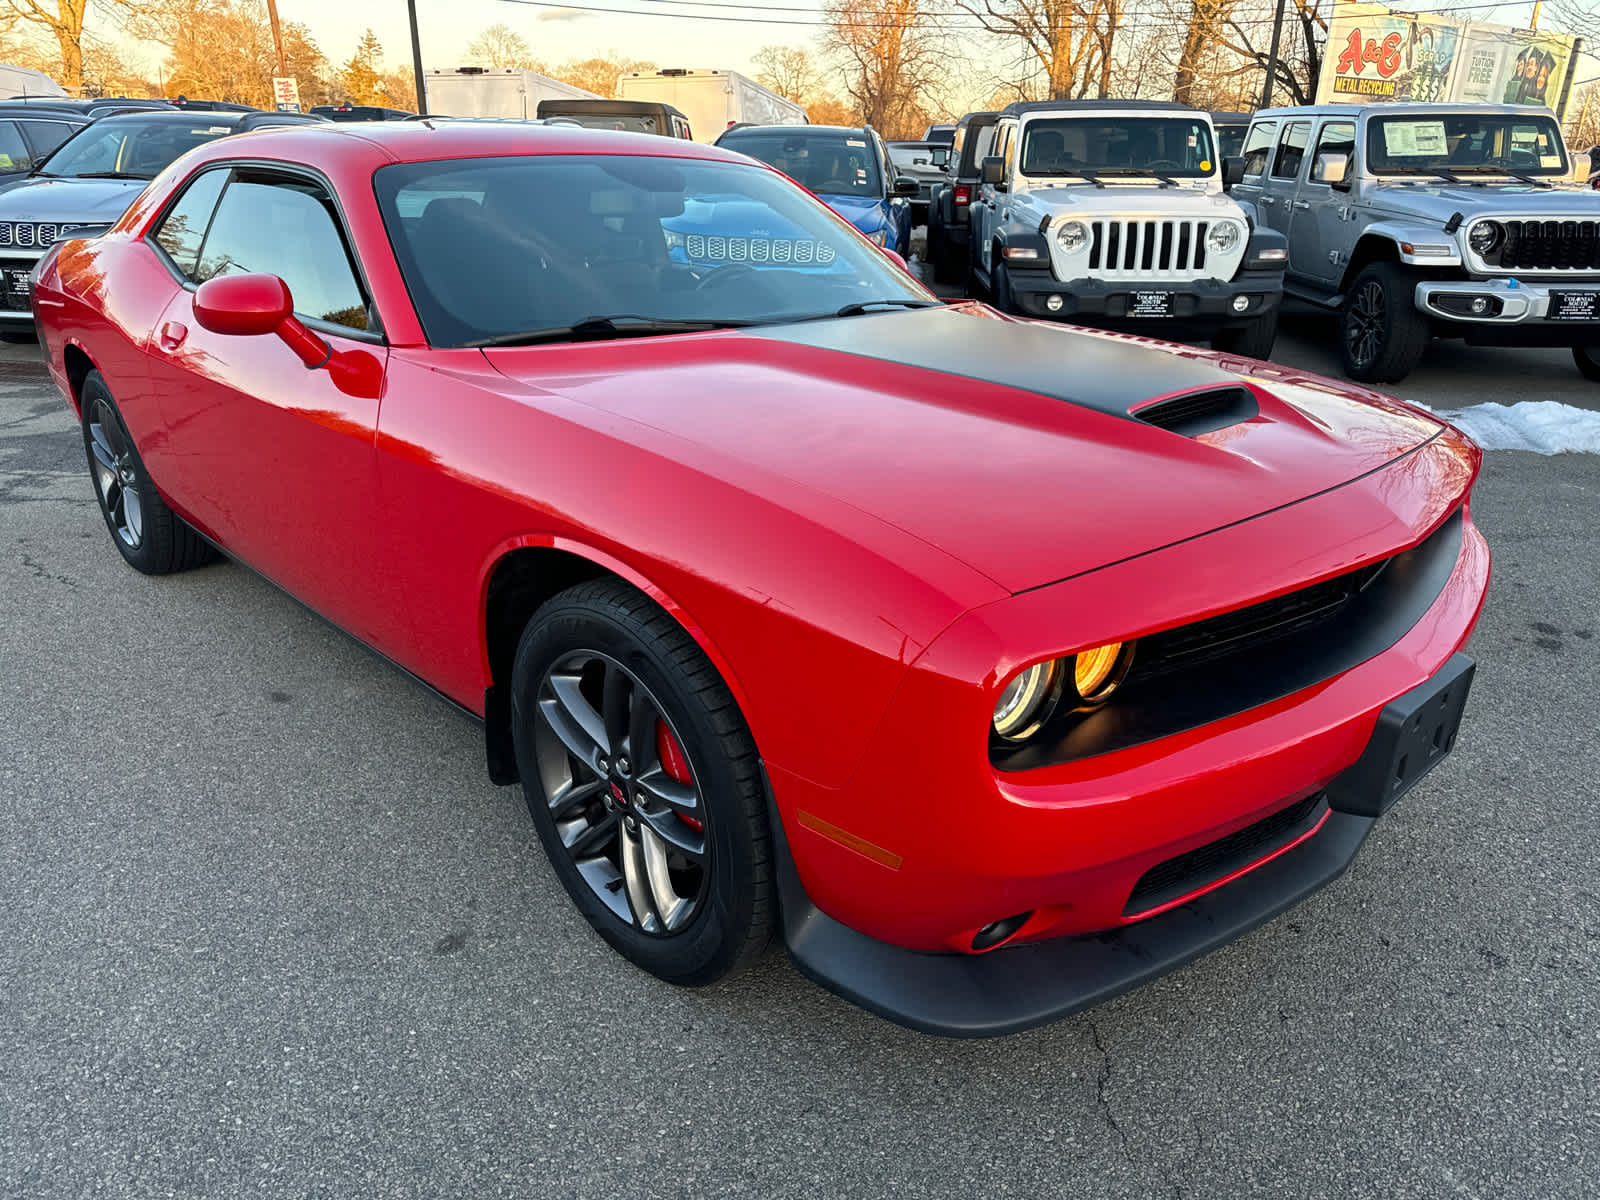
<point x="1543" y="426"/>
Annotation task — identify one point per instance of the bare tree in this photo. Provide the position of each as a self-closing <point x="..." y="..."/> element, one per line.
<point x="61" y="20"/>
<point x="1199" y="34"/>
<point x="1248" y="36"/>
<point x="888" y="50"/>
<point x="1071" y="43"/>
<point x="501" y="46"/>
<point x="787" y="70"/>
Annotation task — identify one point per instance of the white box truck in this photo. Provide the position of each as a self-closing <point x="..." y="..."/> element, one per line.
<point x="712" y="100"/>
<point x="494" y="92"/>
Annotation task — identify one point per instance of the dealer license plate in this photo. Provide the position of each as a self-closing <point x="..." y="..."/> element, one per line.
<point x="17" y="283"/>
<point x="1149" y="304"/>
<point x="1574" y="306"/>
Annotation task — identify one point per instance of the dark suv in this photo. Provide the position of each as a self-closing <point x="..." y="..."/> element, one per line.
<point x="948" y="226"/>
<point x="29" y="132"/>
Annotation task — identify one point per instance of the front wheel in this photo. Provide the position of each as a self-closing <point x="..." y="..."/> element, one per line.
<point x="151" y="538"/>
<point x="1587" y="360"/>
<point x="644" y="784"/>
<point x="1381" y="333"/>
<point x="1254" y="340"/>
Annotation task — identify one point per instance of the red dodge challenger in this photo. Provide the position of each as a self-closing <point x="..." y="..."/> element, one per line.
<point x="999" y="666"/>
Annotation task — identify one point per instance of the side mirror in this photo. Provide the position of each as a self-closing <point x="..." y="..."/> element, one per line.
<point x="1232" y="171"/>
<point x="251" y="305"/>
<point x="894" y="255"/>
<point x="1330" y="168"/>
<point x="904" y="185"/>
<point x="994" y="171"/>
<point x="941" y="156"/>
<point x="1582" y="167"/>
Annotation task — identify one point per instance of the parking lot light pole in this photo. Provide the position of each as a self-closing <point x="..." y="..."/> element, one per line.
<point x="416" y="59"/>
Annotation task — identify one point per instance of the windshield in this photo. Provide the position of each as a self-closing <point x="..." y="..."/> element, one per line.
<point x="486" y="255"/>
<point x="134" y="147"/>
<point x="1466" y="143"/>
<point x="830" y="164"/>
<point x="1230" y="140"/>
<point x="1177" y="146"/>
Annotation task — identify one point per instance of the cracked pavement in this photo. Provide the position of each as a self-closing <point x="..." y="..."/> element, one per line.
<point x="270" y="932"/>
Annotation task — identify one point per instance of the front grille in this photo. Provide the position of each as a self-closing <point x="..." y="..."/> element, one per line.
<point x="1253" y="626"/>
<point x="1177" y="877"/>
<point x="26" y="235"/>
<point x="1549" y="246"/>
<point x="800" y="252"/>
<point x="1148" y="250"/>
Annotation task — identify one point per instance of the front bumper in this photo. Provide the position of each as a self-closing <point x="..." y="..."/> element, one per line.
<point x="1554" y="314"/>
<point x="1018" y="987"/>
<point x="1202" y="302"/>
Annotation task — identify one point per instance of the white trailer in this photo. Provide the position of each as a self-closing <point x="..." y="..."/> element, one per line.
<point x="712" y="100"/>
<point x="25" y="81"/>
<point x="494" y="92"/>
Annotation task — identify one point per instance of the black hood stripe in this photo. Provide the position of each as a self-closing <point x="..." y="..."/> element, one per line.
<point x="1102" y="373"/>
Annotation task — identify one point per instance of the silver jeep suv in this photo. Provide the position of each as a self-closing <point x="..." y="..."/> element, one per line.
<point x="1416" y="221"/>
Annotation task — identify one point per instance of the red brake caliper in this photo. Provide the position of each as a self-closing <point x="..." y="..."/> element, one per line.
<point x="676" y="764"/>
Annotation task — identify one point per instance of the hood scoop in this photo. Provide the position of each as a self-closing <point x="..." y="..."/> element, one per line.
<point x="1194" y="413"/>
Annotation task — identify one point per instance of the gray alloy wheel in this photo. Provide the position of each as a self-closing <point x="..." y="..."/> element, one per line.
<point x="1382" y="335"/>
<point x="116" y="473"/>
<point x="633" y="824"/>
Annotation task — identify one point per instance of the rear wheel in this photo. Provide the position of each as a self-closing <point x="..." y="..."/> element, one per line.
<point x="1381" y="333"/>
<point x="1254" y="340"/>
<point x="644" y="783"/>
<point x="149" y="536"/>
<point x="1587" y="360"/>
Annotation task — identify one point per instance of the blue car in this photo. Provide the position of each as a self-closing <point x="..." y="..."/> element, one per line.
<point x="848" y="170"/>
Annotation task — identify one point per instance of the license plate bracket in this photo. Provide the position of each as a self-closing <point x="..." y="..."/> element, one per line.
<point x="1413" y="735"/>
<point x="1573" y="306"/>
<point x="1150" y="304"/>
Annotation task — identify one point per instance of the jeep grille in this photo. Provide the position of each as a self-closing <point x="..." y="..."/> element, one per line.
<point x="1547" y="246"/>
<point x="1143" y="250"/>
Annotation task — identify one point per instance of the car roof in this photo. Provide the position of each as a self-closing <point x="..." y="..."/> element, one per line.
<point x="1232" y="118"/>
<point x="1027" y="107"/>
<point x="608" y="108"/>
<point x="856" y="130"/>
<point x="44" y="110"/>
<point x="1403" y="108"/>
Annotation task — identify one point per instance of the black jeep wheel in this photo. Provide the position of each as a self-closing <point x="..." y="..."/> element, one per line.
<point x="1381" y="333"/>
<point x="1587" y="360"/>
<point x="644" y="783"/>
<point x="1253" y="340"/>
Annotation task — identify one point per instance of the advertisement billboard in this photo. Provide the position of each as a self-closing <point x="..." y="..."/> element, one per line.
<point x="1377" y="54"/>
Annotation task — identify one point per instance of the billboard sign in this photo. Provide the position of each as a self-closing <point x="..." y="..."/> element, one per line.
<point x="287" y="92"/>
<point x="1378" y="54"/>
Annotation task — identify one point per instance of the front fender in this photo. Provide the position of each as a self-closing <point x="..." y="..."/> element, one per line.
<point x="1399" y="234"/>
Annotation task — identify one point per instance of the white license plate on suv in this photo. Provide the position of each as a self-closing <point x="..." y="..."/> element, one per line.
<point x="1149" y="304"/>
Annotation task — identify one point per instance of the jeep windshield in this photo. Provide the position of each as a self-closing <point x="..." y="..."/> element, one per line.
<point x="134" y="147"/>
<point x="1465" y="143"/>
<point x="829" y="164"/>
<point x="1174" y="147"/>
<point x="639" y="246"/>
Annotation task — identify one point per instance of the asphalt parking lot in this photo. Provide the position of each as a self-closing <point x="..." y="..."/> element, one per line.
<point x="270" y="932"/>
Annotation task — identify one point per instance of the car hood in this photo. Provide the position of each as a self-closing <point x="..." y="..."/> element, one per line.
<point x="1085" y="199"/>
<point x="866" y="213"/>
<point x="85" y="201"/>
<point x="1006" y="444"/>
<point x="1437" y="203"/>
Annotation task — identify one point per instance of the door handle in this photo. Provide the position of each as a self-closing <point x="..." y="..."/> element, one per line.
<point x="1302" y="204"/>
<point x="172" y="335"/>
<point x="1268" y="200"/>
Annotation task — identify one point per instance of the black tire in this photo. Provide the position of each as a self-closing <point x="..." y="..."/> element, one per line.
<point x="151" y="538"/>
<point x="946" y="266"/>
<point x="1253" y="340"/>
<point x="1381" y="333"/>
<point x="1587" y="360"/>
<point x="1002" y="296"/>
<point x="732" y="919"/>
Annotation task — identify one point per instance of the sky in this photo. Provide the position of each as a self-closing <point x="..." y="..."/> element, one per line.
<point x="555" y="34"/>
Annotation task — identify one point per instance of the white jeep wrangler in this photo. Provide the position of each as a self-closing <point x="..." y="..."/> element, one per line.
<point x="1111" y="212"/>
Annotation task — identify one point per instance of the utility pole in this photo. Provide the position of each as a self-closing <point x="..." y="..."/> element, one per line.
<point x="1533" y="25"/>
<point x="416" y="60"/>
<point x="277" y="35"/>
<point x="1272" y="60"/>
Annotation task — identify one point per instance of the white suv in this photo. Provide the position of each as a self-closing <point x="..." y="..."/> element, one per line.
<point x="1112" y="212"/>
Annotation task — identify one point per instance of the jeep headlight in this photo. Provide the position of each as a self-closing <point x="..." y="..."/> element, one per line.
<point x="1072" y="236"/>
<point x="1222" y="237"/>
<point x="1485" y="237"/>
<point x="879" y="237"/>
<point x="67" y="233"/>
<point x="675" y="240"/>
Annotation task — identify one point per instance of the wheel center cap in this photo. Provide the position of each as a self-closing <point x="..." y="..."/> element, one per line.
<point x="618" y="794"/>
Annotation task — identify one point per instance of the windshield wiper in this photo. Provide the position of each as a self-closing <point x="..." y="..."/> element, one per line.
<point x="861" y="306"/>
<point x="1064" y="171"/>
<point x="1434" y="172"/>
<point x="108" y="175"/>
<point x="1493" y="169"/>
<point x="594" y="329"/>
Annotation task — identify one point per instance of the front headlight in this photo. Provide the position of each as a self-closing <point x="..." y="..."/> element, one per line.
<point x="1222" y="237"/>
<point x="1081" y="681"/>
<point x="879" y="237"/>
<point x="1485" y="237"/>
<point x="1072" y="236"/>
<point x="1026" y="701"/>
<point x="675" y="240"/>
